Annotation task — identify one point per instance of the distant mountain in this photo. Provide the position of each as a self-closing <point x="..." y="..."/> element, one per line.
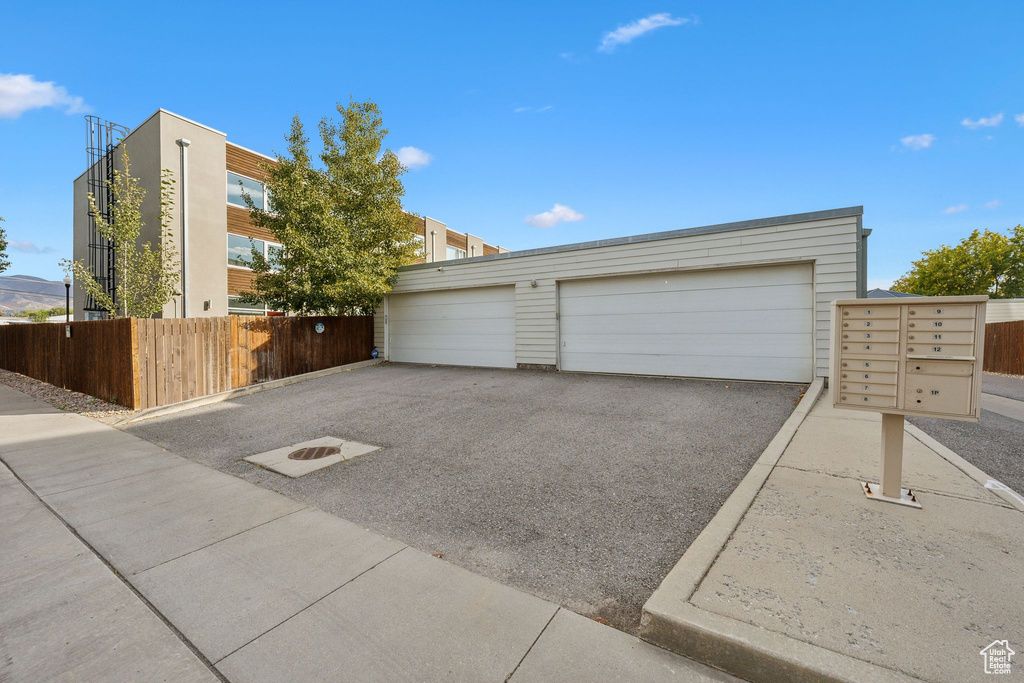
<point x="24" y="292"/>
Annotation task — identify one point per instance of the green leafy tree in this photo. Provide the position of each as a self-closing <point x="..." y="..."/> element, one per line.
<point x="147" y="275"/>
<point x="4" y="262"/>
<point x="340" y="223"/>
<point x="983" y="263"/>
<point x="40" y="315"/>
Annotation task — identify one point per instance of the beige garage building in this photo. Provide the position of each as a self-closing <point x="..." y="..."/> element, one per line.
<point x="746" y="300"/>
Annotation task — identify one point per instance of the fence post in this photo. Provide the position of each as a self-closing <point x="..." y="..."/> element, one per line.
<point x="133" y="342"/>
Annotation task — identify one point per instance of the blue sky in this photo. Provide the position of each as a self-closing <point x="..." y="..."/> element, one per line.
<point x="548" y="123"/>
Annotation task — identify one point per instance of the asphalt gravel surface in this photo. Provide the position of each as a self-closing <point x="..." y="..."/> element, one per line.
<point x="582" y="489"/>
<point x="1007" y="386"/>
<point x="995" y="443"/>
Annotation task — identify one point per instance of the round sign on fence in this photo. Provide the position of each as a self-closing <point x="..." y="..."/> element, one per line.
<point x="319" y="328"/>
<point x="374" y="353"/>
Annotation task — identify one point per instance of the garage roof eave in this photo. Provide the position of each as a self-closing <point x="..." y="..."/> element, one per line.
<point x="845" y="212"/>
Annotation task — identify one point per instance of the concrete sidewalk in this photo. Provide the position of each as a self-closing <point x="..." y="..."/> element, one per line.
<point x="1007" y="407"/>
<point x="817" y="582"/>
<point x="65" y="616"/>
<point x="263" y="587"/>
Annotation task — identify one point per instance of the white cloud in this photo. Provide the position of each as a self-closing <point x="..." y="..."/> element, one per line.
<point x="21" y="92"/>
<point x="413" y="157"/>
<point x="957" y="208"/>
<point x="994" y="204"/>
<point x="918" y="141"/>
<point x="632" y="31"/>
<point x="559" y="213"/>
<point x="1019" y="118"/>
<point x="538" y="110"/>
<point x="983" y="122"/>
<point x="27" y="247"/>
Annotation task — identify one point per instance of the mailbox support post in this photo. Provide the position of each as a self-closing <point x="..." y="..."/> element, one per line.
<point x="889" y="489"/>
<point x="892" y="454"/>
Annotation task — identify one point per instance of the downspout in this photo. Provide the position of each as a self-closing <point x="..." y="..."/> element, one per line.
<point x="433" y="254"/>
<point x="863" y="239"/>
<point x="184" y="143"/>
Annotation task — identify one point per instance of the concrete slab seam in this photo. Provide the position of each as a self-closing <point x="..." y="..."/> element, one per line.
<point x="200" y="401"/>
<point x="169" y="500"/>
<point x="142" y="598"/>
<point x="111" y="481"/>
<point x="967" y="468"/>
<point x="530" y="649"/>
<point x="219" y="540"/>
<point x="321" y="598"/>
<point x="922" y="489"/>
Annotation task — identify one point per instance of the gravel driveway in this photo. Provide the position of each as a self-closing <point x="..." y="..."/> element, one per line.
<point x="582" y="489"/>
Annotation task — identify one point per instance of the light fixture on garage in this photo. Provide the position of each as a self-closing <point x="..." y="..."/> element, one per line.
<point x="533" y="283"/>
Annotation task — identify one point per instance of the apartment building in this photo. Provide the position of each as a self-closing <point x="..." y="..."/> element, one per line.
<point x="211" y="226"/>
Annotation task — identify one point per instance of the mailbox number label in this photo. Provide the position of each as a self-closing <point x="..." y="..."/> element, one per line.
<point x="937" y="349"/>
<point x="938" y="311"/>
<point x="934" y="392"/>
<point x="937" y="323"/>
<point x="867" y="335"/>
<point x="936" y="336"/>
<point x="867" y="323"/>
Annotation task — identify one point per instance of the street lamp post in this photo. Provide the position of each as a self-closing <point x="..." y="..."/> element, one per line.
<point x="67" y="298"/>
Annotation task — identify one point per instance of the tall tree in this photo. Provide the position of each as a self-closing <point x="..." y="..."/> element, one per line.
<point x="4" y="262"/>
<point x="983" y="263"/>
<point x="340" y="223"/>
<point x="147" y="275"/>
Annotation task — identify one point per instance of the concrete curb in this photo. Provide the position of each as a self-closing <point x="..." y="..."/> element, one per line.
<point x="191" y="403"/>
<point x="684" y="578"/>
<point x="756" y="654"/>
<point x="671" y="621"/>
<point x="1008" y="495"/>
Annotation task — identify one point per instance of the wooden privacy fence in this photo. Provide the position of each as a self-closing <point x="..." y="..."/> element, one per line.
<point x="144" y="363"/>
<point x="96" y="359"/>
<point x="1004" y="347"/>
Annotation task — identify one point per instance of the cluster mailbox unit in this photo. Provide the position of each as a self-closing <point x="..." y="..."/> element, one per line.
<point x="908" y="356"/>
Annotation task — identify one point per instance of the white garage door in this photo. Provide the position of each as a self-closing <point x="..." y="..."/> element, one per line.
<point x="454" y="327"/>
<point x="743" y="323"/>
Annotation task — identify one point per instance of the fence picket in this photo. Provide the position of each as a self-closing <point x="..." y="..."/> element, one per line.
<point x="1004" y="347"/>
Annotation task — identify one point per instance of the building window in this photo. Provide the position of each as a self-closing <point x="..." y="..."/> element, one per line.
<point x="240" y="250"/>
<point x="239" y="183"/>
<point x="237" y="307"/>
<point x="454" y="252"/>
